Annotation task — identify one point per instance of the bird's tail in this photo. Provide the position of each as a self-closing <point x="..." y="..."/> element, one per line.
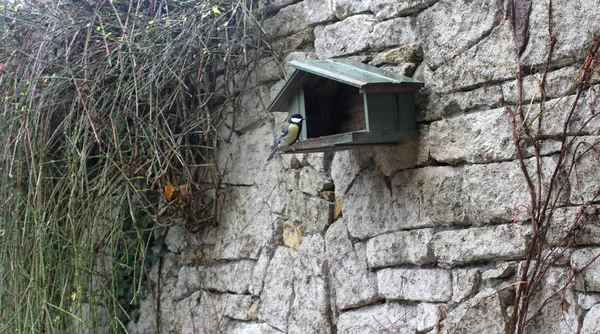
<point x="273" y="153"/>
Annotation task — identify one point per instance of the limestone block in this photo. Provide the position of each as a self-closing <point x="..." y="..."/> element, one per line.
<point x="475" y="138"/>
<point x="189" y="280"/>
<point x="277" y="294"/>
<point x="558" y="83"/>
<point x="503" y="242"/>
<point x="346" y="166"/>
<point x="368" y="215"/>
<point x="568" y="222"/>
<point x="404" y="247"/>
<point x="252" y="109"/>
<point x="407" y="154"/>
<point x="389" y="318"/>
<point x="385" y="9"/>
<point x="229" y="276"/>
<point x="583" y="121"/>
<point x="244" y="224"/>
<point x="297" y="17"/>
<point x="198" y="313"/>
<point x="410" y="53"/>
<point x="591" y="322"/>
<point x="392" y="33"/>
<point x="175" y="239"/>
<point x="447" y="30"/>
<point x="240" y="307"/>
<point x="587" y="300"/>
<point x="436" y="106"/>
<point x="260" y="271"/>
<point x="244" y="327"/>
<point x="468" y="316"/>
<point x="314" y="213"/>
<point x="354" y="285"/>
<point x="572" y="37"/>
<point x="309" y="311"/>
<point x="465" y="283"/>
<point x="554" y="318"/>
<point x="345" y="37"/>
<point x="294" y="41"/>
<point x="312" y="182"/>
<point x="589" y="278"/>
<point x="501" y="270"/>
<point x="345" y="8"/>
<point x="488" y="60"/>
<point x="583" y="180"/>
<point x="428" y="196"/>
<point x="423" y="285"/>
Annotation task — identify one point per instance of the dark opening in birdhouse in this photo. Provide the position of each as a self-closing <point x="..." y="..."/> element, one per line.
<point x="348" y="104"/>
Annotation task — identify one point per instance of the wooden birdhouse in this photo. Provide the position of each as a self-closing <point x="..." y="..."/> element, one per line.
<point x="348" y="104"/>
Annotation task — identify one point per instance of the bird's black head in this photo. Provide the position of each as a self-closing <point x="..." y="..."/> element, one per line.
<point x="296" y="119"/>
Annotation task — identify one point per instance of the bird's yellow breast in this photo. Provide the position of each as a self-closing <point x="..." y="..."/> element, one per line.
<point x="291" y="136"/>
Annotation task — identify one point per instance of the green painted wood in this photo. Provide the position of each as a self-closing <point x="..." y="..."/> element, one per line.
<point x="380" y="111"/>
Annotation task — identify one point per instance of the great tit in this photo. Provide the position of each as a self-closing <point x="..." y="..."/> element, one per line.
<point x="289" y="134"/>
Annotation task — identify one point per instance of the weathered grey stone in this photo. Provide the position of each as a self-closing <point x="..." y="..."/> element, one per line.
<point x="447" y="32"/>
<point x="244" y="327"/>
<point x="345" y="37"/>
<point x="587" y="300"/>
<point x="175" y="240"/>
<point x="312" y="182"/>
<point x="296" y="55"/>
<point x="237" y="240"/>
<point x="240" y="307"/>
<point x="428" y="196"/>
<point x="589" y="278"/>
<point x="297" y="17"/>
<point x="559" y="82"/>
<point x="584" y="119"/>
<point x="469" y="316"/>
<point x="425" y="285"/>
<point x="555" y="319"/>
<point x="475" y="138"/>
<point x="345" y="8"/>
<point x="198" y="313"/>
<point x="252" y="111"/>
<point x="294" y="42"/>
<point x="572" y="37"/>
<point x="278" y="292"/>
<point x="405" y="247"/>
<point x="465" y="283"/>
<point x="353" y="284"/>
<point x="591" y="322"/>
<point x="309" y="312"/>
<point x="389" y="318"/>
<point x="504" y="242"/>
<point x="436" y="106"/>
<point x="578" y="224"/>
<point x="321" y="162"/>
<point x="487" y="61"/>
<point x="407" y="154"/>
<point x="315" y="213"/>
<point x="410" y="53"/>
<point x="225" y="277"/>
<point x="392" y="33"/>
<point x="385" y="9"/>
<point x="260" y="271"/>
<point x="502" y="270"/>
<point x="583" y="183"/>
<point x="346" y="166"/>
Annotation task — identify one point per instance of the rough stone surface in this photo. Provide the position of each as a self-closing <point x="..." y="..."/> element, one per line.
<point x="410" y="53"/>
<point x="346" y="166"/>
<point x="345" y="37"/>
<point x="465" y="283"/>
<point x="297" y="17"/>
<point x="353" y="284"/>
<point x="313" y="212"/>
<point x="558" y="83"/>
<point x="385" y="9"/>
<point x="312" y="182"/>
<point x="389" y="318"/>
<point x="452" y="248"/>
<point x="468" y="317"/>
<point x="591" y="322"/>
<point x="424" y="285"/>
<point x="244" y="327"/>
<point x="399" y="31"/>
<point x="572" y="37"/>
<point x="436" y="106"/>
<point x="277" y="294"/>
<point x="476" y="138"/>
<point x="446" y="32"/>
<point x="407" y="154"/>
<point x="405" y="247"/>
<point x="589" y="278"/>
<point x="253" y="110"/>
<point x="582" y="181"/>
<point x="345" y="8"/>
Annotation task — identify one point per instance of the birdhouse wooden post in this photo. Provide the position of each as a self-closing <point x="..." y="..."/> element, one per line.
<point x="348" y="104"/>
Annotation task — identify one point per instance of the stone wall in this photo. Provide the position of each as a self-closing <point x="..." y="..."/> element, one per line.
<point x="431" y="235"/>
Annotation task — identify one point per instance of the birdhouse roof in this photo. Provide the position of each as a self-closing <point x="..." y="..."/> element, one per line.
<point x="365" y="77"/>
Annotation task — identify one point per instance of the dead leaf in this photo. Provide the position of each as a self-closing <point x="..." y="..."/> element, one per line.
<point x="169" y="190"/>
<point x="184" y="192"/>
<point x="565" y="305"/>
<point x="292" y="234"/>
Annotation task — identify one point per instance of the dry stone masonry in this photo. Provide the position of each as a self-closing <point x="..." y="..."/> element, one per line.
<point x="433" y="235"/>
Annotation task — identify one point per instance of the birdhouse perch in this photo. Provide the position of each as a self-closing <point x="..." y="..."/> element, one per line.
<point x="348" y="104"/>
